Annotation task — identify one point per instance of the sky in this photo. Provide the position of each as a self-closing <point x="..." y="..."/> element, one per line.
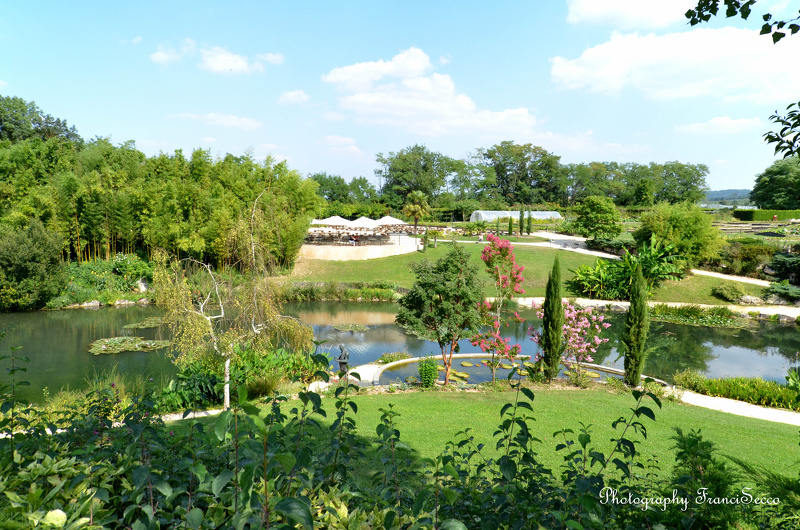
<point x="327" y="86"/>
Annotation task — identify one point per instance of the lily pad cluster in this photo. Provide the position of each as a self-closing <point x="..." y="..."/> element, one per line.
<point x="120" y="344"/>
<point x="350" y="327"/>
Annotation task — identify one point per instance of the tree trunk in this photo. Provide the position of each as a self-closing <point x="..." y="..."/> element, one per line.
<point x="226" y="403"/>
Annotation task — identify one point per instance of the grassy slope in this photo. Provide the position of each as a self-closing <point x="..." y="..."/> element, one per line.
<point x="429" y="420"/>
<point x="537" y="262"/>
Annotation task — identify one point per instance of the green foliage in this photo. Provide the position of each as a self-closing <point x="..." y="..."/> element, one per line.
<point x="730" y="291"/>
<point x="785" y="291"/>
<point x="744" y="256"/>
<point x="193" y="388"/>
<point x="775" y="192"/>
<point x="390" y="357"/>
<point x="598" y="217"/>
<point x="442" y="306"/>
<point x="611" y="279"/>
<point x="695" y="315"/>
<point x="552" y="324"/>
<point x="637" y="327"/>
<point x="683" y="226"/>
<point x="31" y="271"/>
<point x="755" y="391"/>
<point x="765" y="215"/>
<point x="428" y="371"/>
<point x="786" y="266"/>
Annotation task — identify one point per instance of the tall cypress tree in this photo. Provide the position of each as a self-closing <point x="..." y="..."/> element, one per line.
<point x="521" y="220"/>
<point x="510" y="226"/>
<point x="553" y="324"/>
<point x="530" y="222"/>
<point x="637" y="326"/>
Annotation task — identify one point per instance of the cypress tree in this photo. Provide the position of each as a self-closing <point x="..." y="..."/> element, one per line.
<point x="510" y="226"/>
<point x="521" y="220"/>
<point x="637" y="325"/>
<point x="497" y="227"/>
<point x="553" y="324"/>
<point x="530" y="222"/>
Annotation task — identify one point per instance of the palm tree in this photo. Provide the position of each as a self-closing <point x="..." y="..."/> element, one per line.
<point x="416" y="207"/>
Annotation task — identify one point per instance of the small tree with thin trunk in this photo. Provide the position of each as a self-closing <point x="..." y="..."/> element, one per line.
<point x="637" y="326"/>
<point x="553" y="324"/>
<point x="416" y="207"/>
<point x="442" y="306"/>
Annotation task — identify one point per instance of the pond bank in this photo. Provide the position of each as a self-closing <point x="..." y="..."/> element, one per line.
<point x="789" y="312"/>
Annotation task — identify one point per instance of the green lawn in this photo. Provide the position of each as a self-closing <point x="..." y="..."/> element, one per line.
<point x="538" y="261"/>
<point x="429" y="420"/>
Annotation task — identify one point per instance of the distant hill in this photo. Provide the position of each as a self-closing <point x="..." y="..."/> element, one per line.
<point x="727" y="195"/>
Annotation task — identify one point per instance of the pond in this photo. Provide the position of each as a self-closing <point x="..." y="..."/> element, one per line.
<point x="57" y="343"/>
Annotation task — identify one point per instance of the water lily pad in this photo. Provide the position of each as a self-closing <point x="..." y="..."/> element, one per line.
<point x="529" y="364"/>
<point x="151" y="322"/>
<point x="467" y="364"/>
<point x="350" y="327"/>
<point x="505" y="366"/>
<point x="591" y="374"/>
<point x="411" y="379"/>
<point x="462" y="375"/>
<point x="441" y="368"/>
<point x="120" y="344"/>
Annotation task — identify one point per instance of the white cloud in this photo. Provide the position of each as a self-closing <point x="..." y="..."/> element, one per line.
<point x="208" y="140"/>
<point x="165" y="55"/>
<point x="728" y="63"/>
<point x="720" y="125"/>
<point x="271" y="58"/>
<point x="223" y="120"/>
<point x="629" y="14"/>
<point x="219" y="60"/>
<point x="3" y="84"/>
<point x="341" y="145"/>
<point x="420" y="103"/>
<point x="136" y="40"/>
<point x="411" y="63"/>
<point x="293" y="96"/>
<point x="444" y="59"/>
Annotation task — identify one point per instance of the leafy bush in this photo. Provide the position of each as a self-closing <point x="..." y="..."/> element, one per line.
<point x="786" y="266"/>
<point x="428" y="371"/>
<point x="683" y="226"/>
<point x="755" y="391"/>
<point x="31" y="271"/>
<point x="598" y="217"/>
<point x="390" y="357"/>
<point x="730" y="291"/>
<point x="192" y="389"/>
<point x="695" y="315"/>
<point x="785" y="291"/>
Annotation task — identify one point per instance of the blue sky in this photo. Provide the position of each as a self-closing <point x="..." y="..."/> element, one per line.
<point x="328" y="85"/>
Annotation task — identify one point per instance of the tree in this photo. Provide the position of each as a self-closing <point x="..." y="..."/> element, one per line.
<point x="787" y="139"/>
<point x="598" y="217"/>
<point x="416" y="207"/>
<point x="21" y="120"/>
<point x="637" y="326"/>
<point x="525" y="173"/>
<point x="529" y="227"/>
<point x="332" y="187"/>
<point x="553" y="324"/>
<point x="778" y="187"/>
<point x="442" y="305"/>
<point x="682" y="182"/>
<point x="31" y="271"/>
<point x="684" y="226"/>
<point x="362" y="190"/>
<point x="521" y="220"/>
<point x="510" y="226"/>
<point x="413" y="169"/>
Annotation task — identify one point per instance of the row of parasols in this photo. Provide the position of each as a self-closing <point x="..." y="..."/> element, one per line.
<point x="360" y="223"/>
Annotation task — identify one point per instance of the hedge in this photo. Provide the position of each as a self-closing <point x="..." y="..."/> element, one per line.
<point x="766" y="215"/>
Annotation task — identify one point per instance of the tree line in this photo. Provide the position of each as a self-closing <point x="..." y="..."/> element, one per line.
<point x="507" y="175"/>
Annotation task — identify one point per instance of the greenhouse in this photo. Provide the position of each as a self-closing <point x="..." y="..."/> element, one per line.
<point x="491" y="215"/>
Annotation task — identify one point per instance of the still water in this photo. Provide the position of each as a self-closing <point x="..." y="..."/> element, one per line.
<point x="57" y="343"/>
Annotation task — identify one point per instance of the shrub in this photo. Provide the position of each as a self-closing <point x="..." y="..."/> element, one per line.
<point x="31" y="271"/>
<point x="598" y="217"/>
<point x="755" y="391"/>
<point x="730" y="291"/>
<point x="785" y="291"/>
<point x="428" y="371"/>
<point x="766" y="215"/>
<point x="390" y="357"/>
<point x="684" y="226"/>
<point x="786" y="266"/>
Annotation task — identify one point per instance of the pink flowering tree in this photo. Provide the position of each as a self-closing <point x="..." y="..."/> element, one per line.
<point x="582" y="330"/>
<point x="502" y="266"/>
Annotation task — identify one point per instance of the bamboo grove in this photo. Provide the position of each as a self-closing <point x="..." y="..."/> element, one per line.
<point x="103" y="199"/>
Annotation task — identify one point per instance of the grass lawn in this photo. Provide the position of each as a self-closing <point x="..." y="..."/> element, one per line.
<point x="538" y="261"/>
<point x="429" y="420"/>
<point x="697" y="290"/>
